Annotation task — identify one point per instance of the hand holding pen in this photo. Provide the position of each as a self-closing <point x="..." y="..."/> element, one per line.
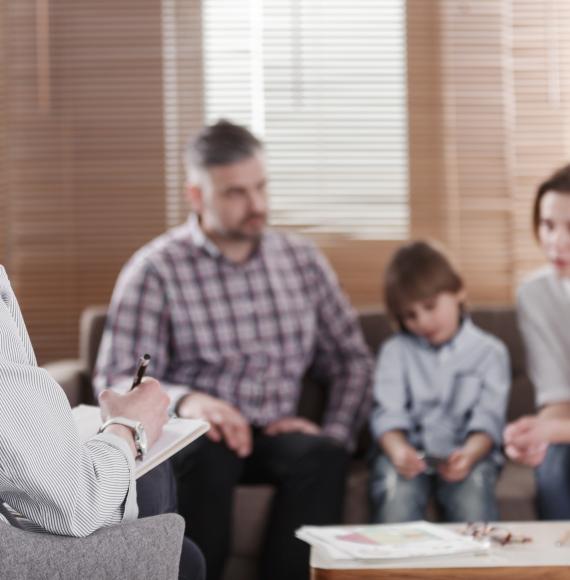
<point x="139" y="374"/>
<point x="141" y="370"/>
<point x="146" y="403"/>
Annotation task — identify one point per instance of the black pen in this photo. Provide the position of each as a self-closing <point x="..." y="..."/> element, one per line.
<point x="141" y="369"/>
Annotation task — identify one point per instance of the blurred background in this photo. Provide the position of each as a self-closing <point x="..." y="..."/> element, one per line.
<point x="383" y="120"/>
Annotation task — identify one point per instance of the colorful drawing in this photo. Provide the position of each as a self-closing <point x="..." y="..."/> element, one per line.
<point x="381" y="536"/>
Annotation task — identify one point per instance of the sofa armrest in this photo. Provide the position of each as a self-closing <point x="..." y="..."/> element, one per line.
<point x="72" y="376"/>
<point x="146" y="548"/>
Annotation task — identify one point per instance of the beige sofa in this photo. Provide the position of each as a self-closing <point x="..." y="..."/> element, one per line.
<point x="516" y="486"/>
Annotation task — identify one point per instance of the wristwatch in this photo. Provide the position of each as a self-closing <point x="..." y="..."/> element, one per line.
<point x="139" y="434"/>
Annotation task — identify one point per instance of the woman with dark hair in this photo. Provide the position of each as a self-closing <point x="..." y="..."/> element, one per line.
<point x="543" y="306"/>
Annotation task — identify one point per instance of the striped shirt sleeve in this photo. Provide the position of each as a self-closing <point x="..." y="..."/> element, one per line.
<point x="46" y="474"/>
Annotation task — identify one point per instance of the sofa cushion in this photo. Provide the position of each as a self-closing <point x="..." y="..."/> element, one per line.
<point x="515" y="493"/>
<point x="91" y="328"/>
<point x="251" y="512"/>
<point x="502" y="322"/>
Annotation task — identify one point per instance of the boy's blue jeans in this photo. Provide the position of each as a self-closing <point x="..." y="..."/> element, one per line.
<point x="396" y="499"/>
<point x="553" y="484"/>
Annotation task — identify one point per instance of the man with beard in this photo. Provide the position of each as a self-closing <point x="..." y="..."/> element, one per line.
<point x="234" y="314"/>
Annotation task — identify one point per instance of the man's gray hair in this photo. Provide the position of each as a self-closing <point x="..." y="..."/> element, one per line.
<point x="223" y="143"/>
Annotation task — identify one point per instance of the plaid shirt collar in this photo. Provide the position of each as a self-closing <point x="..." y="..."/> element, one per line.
<point x="202" y="241"/>
<point x="199" y="238"/>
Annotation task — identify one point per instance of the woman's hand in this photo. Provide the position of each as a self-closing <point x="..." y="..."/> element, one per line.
<point x="526" y="440"/>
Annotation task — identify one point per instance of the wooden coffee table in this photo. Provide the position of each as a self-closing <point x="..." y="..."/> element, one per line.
<point x="540" y="559"/>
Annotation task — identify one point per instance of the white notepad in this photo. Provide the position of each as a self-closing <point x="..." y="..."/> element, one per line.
<point x="390" y="541"/>
<point x="176" y="435"/>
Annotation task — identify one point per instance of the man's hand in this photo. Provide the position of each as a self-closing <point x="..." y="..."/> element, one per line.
<point x="227" y="423"/>
<point x="457" y="466"/>
<point x="292" y="425"/>
<point x="526" y="440"/>
<point x="148" y="403"/>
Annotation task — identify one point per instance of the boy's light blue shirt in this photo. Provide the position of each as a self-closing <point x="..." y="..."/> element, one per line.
<point x="438" y="396"/>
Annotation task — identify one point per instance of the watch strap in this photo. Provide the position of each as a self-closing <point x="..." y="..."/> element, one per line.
<point x="130" y="423"/>
<point x="135" y="426"/>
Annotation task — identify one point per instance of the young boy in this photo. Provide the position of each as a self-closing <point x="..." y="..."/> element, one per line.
<point x="440" y="390"/>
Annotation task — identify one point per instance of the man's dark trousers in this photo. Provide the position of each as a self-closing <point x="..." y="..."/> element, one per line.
<point x="309" y="473"/>
<point x="156" y="494"/>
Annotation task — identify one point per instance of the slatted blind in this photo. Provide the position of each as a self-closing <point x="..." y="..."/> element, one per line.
<point x="324" y="83"/>
<point x="86" y="186"/>
<point x="183" y="87"/>
<point x="97" y="99"/>
<point x="477" y="106"/>
<point x="541" y="78"/>
<point x="488" y="115"/>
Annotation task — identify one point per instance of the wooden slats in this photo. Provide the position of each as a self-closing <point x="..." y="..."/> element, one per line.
<point x="87" y="180"/>
<point x="97" y="100"/>
<point x="488" y="86"/>
<point x="541" y="77"/>
<point x="324" y="84"/>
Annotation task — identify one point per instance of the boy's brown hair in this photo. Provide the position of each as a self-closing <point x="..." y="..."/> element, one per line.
<point x="417" y="271"/>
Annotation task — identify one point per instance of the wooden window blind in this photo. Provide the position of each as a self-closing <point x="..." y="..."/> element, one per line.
<point x="183" y="87"/>
<point x="85" y="153"/>
<point x="474" y="107"/>
<point x="541" y="124"/>
<point x="488" y="93"/>
<point x="324" y="83"/>
<point x="97" y="100"/>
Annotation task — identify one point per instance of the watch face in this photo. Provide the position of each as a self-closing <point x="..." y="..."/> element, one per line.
<point x="141" y="441"/>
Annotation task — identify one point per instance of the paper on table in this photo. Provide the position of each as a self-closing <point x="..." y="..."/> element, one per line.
<point x="176" y="435"/>
<point x="388" y="541"/>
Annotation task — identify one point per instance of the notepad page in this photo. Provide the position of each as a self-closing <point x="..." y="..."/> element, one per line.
<point x="177" y="433"/>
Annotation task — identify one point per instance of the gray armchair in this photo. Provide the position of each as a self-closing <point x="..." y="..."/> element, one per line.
<point x="74" y="375"/>
<point x="148" y="548"/>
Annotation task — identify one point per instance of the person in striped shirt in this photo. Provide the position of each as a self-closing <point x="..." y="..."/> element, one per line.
<point x="49" y="480"/>
<point x="234" y="315"/>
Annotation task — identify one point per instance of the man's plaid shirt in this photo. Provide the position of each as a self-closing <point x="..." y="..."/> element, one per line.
<point x="245" y="333"/>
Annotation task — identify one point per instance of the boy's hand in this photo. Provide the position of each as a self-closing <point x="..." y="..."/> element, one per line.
<point x="457" y="466"/>
<point x="407" y="461"/>
<point x="403" y="456"/>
